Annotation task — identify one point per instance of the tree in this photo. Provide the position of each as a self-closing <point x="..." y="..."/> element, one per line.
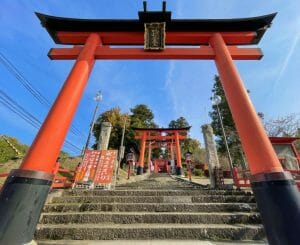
<point x="142" y="117"/>
<point x="189" y="144"/>
<point x="284" y="126"/>
<point x="181" y="122"/>
<point x="117" y="119"/>
<point x="232" y="136"/>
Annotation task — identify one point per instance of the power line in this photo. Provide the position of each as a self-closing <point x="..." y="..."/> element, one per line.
<point x="32" y="121"/>
<point x="14" y="107"/>
<point x="28" y="86"/>
<point x="32" y="90"/>
<point x="28" y="117"/>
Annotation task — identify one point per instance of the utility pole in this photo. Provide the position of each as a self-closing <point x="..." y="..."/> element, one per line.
<point x="216" y="100"/>
<point x="97" y="98"/>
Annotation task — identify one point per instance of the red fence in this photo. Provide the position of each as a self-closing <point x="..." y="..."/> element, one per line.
<point x="61" y="182"/>
<point x="65" y="178"/>
<point x="241" y="177"/>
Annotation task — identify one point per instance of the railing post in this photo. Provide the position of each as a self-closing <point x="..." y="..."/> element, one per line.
<point x="26" y="189"/>
<point x="236" y="177"/>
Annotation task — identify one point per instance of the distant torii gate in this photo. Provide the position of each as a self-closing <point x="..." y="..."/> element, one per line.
<point x="160" y="135"/>
<point x="170" y="145"/>
<point x="26" y="189"/>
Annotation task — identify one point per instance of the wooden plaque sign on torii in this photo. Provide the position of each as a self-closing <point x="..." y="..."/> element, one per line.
<point x="155" y="32"/>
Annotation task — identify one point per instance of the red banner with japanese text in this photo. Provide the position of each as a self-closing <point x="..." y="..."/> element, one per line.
<point x="105" y="168"/>
<point x="85" y="172"/>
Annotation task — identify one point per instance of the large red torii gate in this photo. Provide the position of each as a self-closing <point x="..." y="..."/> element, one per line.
<point x="26" y="189"/>
<point x="160" y="135"/>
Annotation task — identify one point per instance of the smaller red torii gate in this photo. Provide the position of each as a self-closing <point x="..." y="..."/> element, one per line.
<point x="166" y="135"/>
<point x="170" y="145"/>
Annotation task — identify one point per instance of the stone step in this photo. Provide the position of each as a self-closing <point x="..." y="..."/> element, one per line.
<point x="152" y="207"/>
<point x="149" y="232"/>
<point x="165" y="183"/>
<point x="154" y="187"/>
<point x="172" y="183"/>
<point x="152" y="192"/>
<point x="149" y="186"/>
<point x="154" y="199"/>
<point x="150" y="218"/>
<point x="148" y="242"/>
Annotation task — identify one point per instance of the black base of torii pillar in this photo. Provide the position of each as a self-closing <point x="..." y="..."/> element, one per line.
<point x="178" y="171"/>
<point x="274" y="193"/>
<point x="139" y="170"/>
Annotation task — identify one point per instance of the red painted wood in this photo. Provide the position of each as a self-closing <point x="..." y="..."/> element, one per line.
<point x="201" y="53"/>
<point x="158" y="137"/>
<point x="172" y="38"/>
<point x="259" y="152"/>
<point x="56" y="125"/>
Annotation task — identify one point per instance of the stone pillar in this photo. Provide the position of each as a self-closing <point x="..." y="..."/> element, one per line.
<point x="104" y="136"/>
<point x="211" y="152"/>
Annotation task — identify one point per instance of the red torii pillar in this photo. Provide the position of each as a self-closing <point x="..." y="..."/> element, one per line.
<point x="149" y="156"/>
<point x="178" y="155"/>
<point x="140" y="168"/>
<point x="276" y="193"/>
<point x="26" y="189"/>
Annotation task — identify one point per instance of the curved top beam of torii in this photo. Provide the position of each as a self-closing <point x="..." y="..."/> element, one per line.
<point x="239" y="31"/>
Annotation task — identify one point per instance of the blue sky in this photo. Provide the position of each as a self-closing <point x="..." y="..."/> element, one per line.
<point x="171" y="88"/>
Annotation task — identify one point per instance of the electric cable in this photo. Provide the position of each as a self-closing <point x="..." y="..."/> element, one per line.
<point x="33" y="91"/>
<point x="28" y="117"/>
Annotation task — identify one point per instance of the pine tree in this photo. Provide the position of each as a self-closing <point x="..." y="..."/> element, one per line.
<point x="232" y="136"/>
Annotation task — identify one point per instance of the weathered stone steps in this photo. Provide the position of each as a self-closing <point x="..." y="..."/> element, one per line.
<point x="150" y="218"/>
<point x="149" y="231"/>
<point x="151" y="207"/>
<point x="154" y="199"/>
<point x="153" y="192"/>
<point x="159" y="208"/>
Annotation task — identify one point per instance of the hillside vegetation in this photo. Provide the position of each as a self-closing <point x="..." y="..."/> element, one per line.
<point x="10" y="159"/>
<point x="6" y="150"/>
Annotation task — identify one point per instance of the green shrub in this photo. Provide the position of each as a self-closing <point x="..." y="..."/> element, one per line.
<point x="199" y="172"/>
<point x="185" y="173"/>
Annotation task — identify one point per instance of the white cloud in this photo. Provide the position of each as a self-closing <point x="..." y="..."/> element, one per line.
<point x="287" y="59"/>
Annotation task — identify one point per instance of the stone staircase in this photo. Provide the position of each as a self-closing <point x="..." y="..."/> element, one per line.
<point x="157" y="208"/>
